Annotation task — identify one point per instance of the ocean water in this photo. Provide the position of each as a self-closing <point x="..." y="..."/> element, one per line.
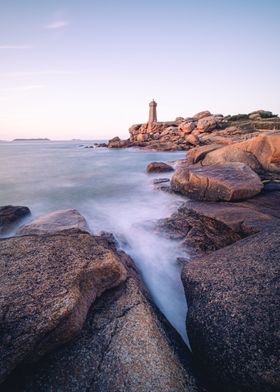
<point x="113" y="192"/>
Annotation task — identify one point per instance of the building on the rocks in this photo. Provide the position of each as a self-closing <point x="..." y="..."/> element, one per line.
<point x="153" y="112"/>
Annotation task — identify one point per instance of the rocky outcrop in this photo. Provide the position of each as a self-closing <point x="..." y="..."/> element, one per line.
<point x="201" y="115"/>
<point x="229" y="182"/>
<point x="208" y="226"/>
<point x="233" y="314"/>
<point x="197" y="154"/>
<point x="116" y="142"/>
<point x="241" y="217"/>
<point x="207" y="124"/>
<point x="259" y="152"/>
<point x="158" y="167"/>
<point x="48" y="284"/>
<point x="55" y="221"/>
<point x="122" y="346"/>
<point x="203" y="128"/>
<point x="11" y="216"/>
<point x="197" y="232"/>
<point x="180" y="134"/>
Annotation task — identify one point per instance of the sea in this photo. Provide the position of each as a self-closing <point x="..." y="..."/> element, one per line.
<point x="110" y="188"/>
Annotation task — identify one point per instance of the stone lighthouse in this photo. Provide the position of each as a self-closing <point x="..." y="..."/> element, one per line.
<point x="153" y="112"/>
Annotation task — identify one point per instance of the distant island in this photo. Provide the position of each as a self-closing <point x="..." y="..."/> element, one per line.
<point x="32" y="140"/>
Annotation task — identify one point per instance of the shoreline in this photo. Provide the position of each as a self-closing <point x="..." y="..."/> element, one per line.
<point x="229" y="224"/>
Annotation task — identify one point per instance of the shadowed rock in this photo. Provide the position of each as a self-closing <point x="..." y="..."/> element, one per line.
<point x="233" y="316"/>
<point x="10" y="216"/>
<point x="198" y="232"/>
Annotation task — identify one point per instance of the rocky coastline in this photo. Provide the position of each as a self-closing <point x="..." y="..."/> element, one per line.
<point x="230" y="226"/>
<point x="203" y="129"/>
<point x="76" y="316"/>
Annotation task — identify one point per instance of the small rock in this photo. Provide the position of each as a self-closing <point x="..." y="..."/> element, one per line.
<point x="207" y="124"/>
<point x="187" y="127"/>
<point x="200" y="115"/>
<point x="160" y="180"/>
<point x="158" y="167"/>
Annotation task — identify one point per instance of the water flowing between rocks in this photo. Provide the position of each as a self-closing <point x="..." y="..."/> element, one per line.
<point x="112" y="191"/>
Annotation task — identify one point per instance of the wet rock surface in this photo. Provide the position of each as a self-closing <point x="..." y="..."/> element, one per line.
<point x="233" y="317"/>
<point x="229" y="182"/>
<point x="122" y="347"/>
<point x="55" y="221"/>
<point x="11" y="216"/>
<point x="48" y="283"/>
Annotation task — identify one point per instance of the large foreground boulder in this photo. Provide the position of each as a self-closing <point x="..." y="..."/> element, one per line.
<point x="48" y="283"/>
<point x="123" y="346"/>
<point x="55" y="221"/>
<point x="10" y="216"/>
<point x="228" y="182"/>
<point x="233" y="319"/>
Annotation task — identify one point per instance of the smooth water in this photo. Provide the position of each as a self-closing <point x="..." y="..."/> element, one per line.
<point x="110" y="188"/>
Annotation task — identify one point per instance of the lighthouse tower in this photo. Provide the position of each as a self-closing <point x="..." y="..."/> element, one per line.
<point x="153" y="112"/>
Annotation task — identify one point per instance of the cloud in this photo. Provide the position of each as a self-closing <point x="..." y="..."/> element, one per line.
<point x="22" y="88"/>
<point x="19" y="47"/>
<point x="57" y="24"/>
<point x="15" y="74"/>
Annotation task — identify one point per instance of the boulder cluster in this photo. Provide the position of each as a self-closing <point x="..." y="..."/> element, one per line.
<point x="230" y="228"/>
<point x="229" y="173"/>
<point x="203" y="128"/>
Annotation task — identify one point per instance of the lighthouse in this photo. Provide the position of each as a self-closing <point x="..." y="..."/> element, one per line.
<point x="152" y="112"/>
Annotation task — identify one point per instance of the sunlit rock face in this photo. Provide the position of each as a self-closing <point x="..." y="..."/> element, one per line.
<point x="55" y="221"/>
<point x="50" y="282"/>
<point x="228" y="182"/>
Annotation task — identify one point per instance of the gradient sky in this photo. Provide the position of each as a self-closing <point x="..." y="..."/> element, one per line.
<point x="88" y="68"/>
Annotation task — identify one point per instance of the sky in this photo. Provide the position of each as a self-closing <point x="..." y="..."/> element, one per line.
<point x="87" y="69"/>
